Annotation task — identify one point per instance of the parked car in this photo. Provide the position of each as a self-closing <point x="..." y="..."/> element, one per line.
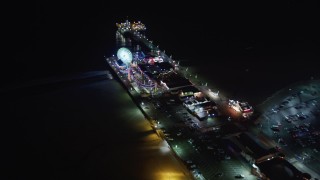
<point x="239" y="176"/>
<point x="275" y="128"/>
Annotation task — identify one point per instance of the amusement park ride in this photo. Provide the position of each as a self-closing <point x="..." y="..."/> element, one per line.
<point x="145" y="68"/>
<point x="128" y="65"/>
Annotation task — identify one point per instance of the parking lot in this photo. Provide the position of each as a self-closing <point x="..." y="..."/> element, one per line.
<point x="196" y="143"/>
<point x="291" y="118"/>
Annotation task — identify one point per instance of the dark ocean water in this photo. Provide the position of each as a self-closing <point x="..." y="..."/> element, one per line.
<point x="241" y="62"/>
<point x="247" y="49"/>
<point x="54" y="39"/>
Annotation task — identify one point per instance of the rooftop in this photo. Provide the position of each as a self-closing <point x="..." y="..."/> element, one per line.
<point x="258" y="150"/>
<point x="278" y="168"/>
<point x="173" y="80"/>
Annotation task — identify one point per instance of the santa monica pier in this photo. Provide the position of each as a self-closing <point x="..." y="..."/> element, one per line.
<point x="213" y="136"/>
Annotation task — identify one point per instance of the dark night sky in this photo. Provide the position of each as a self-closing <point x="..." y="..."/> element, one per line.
<point x="50" y="38"/>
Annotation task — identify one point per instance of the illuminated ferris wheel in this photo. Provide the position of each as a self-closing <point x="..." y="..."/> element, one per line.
<point x="125" y="55"/>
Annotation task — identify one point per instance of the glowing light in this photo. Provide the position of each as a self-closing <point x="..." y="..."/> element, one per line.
<point x="253" y="165"/>
<point x="172" y="175"/>
<point x="164" y="149"/>
<point x="125" y="55"/>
